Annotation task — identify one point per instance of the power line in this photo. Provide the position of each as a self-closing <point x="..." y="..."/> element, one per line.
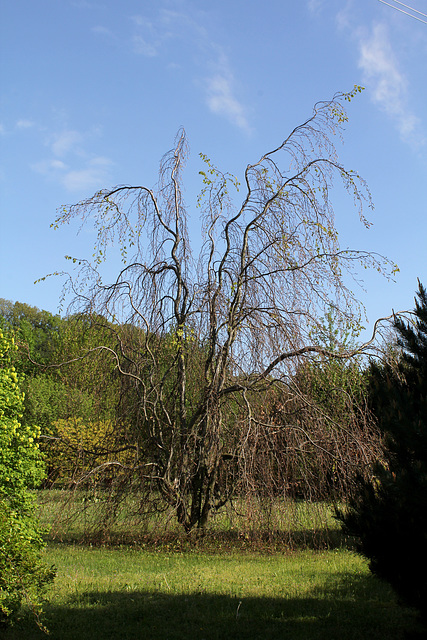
<point x="406" y="12"/>
<point x="411" y="8"/>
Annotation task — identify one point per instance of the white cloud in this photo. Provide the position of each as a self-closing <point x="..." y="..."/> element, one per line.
<point x="149" y="36"/>
<point x="315" y="6"/>
<point x="218" y="85"/>
<point x="344" y="16"/>
<point x="141" y="46"/>
<point x="386" y="81"/>
<point x="142" y="21"/>
<point x="64" y="142"/>
<point x="104" y="31"/>
<point x="58" y="164"/>
<point x="71" y="165"/>
<point x="24" y="124"/>
<point x="220" y="100"/>
<point x="93" y="176"/>
<point x="20" y="124"/>
<point x="48" y="167"/>
<point x="383" y="74"/>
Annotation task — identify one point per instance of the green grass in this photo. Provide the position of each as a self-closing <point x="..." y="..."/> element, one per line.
<point x="129" y="593"/>
<point x="77" y="517"/>
<point x="277" y="570"/>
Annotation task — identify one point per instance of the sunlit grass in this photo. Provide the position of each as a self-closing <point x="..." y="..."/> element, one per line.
<point x="127" y="593"/>
<point x="77" y="517"/>
<point x="263" y="571"/>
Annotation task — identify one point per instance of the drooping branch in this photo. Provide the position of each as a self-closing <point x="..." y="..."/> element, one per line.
<point x="197" y="345"/>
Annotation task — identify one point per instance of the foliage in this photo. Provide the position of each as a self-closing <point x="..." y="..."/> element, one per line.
<point x="22" y="572"/>
<point x="335" y="419"/>
<point x="37" y="335"/>
<point x="388" y="513"/>
<point x="211" y="338"/>
<point x="76" y="391"/>
<point x="81" y="450"/>
<point x="21" y="466"/>
<point x="49" y="398"/>
<point x="59" y="384"/>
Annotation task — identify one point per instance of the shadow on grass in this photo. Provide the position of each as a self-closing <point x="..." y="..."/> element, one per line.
<point x="347" y="608"/>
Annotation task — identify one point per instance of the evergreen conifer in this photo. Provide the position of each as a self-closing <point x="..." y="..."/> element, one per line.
<point x="388" y="513"/>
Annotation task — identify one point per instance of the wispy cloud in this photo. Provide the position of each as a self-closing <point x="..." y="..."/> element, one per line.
<point x="218" y="84"/>
<point x="155" y="33"/>
<point x="24" y="124"/>
<point x="71" y="165"/>
<point x="83" y="4"/>
<point x="314" y="6"/>
<point x="143" y="47"/>
<point x="19" y="125"/>
<point x="103" y="31"/>
<point x="93" y="175"/>
<point x="344" y="17"/>
<point x="221" y="100"/>
<point x="65" y="142"/>
<point x="47" y="167"/>
<point x="377" y="57"/>
<point x="384" y="78"/>
<point x="148" y="37"/>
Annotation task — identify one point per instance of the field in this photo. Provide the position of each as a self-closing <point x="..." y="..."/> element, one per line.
<point x="217" y="588"/>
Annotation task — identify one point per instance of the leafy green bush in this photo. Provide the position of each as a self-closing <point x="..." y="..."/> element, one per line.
<point x="22" y="572"/>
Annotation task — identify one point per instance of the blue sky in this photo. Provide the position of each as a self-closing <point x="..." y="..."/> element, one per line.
<point x="93" y="92"/>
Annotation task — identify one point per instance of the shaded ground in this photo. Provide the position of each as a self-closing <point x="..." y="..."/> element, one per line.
<point x="341" y="610"/>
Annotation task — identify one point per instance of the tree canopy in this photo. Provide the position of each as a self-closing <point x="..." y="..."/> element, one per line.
<point x="231" y="324"/>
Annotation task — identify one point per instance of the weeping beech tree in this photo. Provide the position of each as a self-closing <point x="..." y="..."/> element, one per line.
<point x="200" y="341"/>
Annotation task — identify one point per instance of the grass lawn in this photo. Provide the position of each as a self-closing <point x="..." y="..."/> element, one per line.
<point x="131" y="593"/>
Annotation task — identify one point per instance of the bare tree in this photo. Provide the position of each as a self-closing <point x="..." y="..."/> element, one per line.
<point x="199" y="341"/>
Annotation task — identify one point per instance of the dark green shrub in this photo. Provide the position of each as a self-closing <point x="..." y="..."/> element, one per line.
<point x="388" y="514"/>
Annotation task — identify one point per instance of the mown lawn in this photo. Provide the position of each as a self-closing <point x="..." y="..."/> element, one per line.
<point x="133" y="593"/>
